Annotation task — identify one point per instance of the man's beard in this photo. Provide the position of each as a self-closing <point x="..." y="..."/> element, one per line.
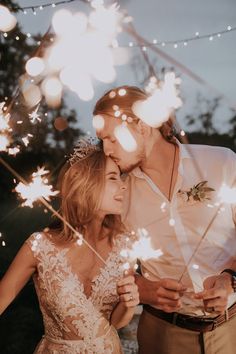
<point x="130" y="167"/>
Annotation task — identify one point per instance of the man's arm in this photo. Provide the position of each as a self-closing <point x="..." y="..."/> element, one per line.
<point x="164" y="294"/>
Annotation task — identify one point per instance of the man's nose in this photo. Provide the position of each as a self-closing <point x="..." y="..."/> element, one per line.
<point x="107" y="148"/>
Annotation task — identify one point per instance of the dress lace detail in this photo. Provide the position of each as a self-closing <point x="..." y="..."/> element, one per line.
<point x="74" y="323"/>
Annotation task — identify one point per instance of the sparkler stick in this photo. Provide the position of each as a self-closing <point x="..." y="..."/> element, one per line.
<point x="47" y="205"/>
<point x="232" y="200"/>
<point x="199" y="243"/>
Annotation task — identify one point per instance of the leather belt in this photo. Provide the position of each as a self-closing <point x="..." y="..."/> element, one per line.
<point x="197" y="324"/>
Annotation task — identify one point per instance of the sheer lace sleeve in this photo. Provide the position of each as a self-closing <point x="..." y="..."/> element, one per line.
<point x="35" y="243"/>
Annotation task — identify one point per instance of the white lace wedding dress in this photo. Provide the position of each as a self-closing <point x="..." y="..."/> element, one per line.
<point x="74" y="323"/>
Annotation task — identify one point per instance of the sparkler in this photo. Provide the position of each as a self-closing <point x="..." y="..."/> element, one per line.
<point x="80" y="238"/>
<point x="37" y="189"/>
<point x="34" y="116"/>
<point x="4" y="118"/>
<point x="157" y="108"/>
<point x="227" y="195"/>
<point x="4" y="142"/>
<point x="81" y="50"/>
<point x="4" y="128"/>
<point x="141" y="248"/>
<point x="25" y="139"/>
<point x="3" y="243"/>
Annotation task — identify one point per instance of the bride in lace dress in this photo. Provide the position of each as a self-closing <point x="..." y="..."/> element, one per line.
<point x="83" y="300"/>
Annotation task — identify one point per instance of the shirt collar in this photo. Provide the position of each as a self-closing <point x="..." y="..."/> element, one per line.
<point x="183" y="153"/>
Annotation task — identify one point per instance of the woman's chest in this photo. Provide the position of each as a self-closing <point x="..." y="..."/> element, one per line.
<point x="67" y="282"/>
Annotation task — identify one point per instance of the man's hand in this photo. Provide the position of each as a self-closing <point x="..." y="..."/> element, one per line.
<point x="164" y="294"/>
<point x="217" y="288"/>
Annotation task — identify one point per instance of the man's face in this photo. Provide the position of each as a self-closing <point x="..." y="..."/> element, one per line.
<point x="115" y="149"/>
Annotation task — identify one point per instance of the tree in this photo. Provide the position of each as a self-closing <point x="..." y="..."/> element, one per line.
<point x="232" y="122"/>
<point x="47" y="134"/>
<point x="203" y="118"/>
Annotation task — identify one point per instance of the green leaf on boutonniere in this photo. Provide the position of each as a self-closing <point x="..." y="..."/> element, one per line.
<point x="199" y="192"/>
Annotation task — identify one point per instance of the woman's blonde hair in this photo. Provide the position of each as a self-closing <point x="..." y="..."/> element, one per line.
<point x="81" y="186"/>
<point x="125" y="102"/>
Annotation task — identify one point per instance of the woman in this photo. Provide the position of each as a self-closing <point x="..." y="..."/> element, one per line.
<point x="77" y="291"/>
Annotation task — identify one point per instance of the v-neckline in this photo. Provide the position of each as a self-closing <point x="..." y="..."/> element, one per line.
<point x="96" y="276"/>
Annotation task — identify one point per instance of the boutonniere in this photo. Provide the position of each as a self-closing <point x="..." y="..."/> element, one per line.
<point x="198" y="193"/>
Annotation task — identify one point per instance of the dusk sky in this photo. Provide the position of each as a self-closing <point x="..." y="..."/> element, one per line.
<point x="214" y="61"/>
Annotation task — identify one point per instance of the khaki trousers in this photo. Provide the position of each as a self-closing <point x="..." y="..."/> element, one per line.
<point x="156" y="336"/>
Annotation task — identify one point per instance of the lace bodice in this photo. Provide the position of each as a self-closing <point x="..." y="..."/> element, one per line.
<point x="67" y="312"/>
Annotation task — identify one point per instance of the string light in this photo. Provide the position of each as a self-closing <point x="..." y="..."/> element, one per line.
<point x="154" y="42"/>
<point x="176" y="42"/>
<point x="42" y="7"/>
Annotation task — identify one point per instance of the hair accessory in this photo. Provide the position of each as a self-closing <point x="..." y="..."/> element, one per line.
<point x="84" y="148"/>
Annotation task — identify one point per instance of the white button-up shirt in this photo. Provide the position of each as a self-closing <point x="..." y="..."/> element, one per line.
<point x="182" y="228"/>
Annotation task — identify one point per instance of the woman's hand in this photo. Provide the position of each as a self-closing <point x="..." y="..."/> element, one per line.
<point x="128" y="291"/>
<point x="128" y="300"/>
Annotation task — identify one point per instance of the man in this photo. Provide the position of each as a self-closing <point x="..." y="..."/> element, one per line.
<point x="189" y="292"/>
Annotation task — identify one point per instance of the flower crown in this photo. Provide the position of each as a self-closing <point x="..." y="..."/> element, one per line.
<point x="84" y="148"/>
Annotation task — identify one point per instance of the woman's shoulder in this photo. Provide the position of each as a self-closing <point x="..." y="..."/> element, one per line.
<point x="39" y="241"/>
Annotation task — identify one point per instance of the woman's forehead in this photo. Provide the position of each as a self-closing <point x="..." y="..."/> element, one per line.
<point x="111" y="166"/>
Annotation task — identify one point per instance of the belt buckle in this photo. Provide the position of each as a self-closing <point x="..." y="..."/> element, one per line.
<point x="214" y="325"/>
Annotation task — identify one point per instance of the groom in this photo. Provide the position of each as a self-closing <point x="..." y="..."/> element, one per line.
<point x="189" y="293"/>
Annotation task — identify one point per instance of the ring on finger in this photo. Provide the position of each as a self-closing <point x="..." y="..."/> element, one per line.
<point x="131" y="297"/>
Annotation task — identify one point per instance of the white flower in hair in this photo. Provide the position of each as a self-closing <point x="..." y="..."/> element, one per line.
<point x="84" y="148"/>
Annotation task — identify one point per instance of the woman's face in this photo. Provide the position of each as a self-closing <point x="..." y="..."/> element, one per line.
<point x="114" y="188"/>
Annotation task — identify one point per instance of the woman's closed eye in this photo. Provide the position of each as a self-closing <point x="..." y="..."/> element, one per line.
<point x="114" y="176"/>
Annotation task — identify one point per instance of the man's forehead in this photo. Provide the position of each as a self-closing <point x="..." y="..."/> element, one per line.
<point x="108" y="126"/>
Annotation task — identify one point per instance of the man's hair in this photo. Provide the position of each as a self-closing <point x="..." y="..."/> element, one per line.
<point x="81" y="187"/>
<point x="125" y="102"/>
